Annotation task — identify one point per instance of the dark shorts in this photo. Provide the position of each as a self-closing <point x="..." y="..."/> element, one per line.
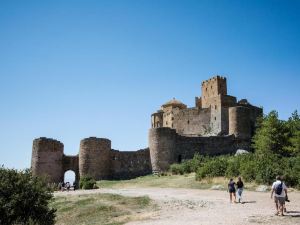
<point x="231" y="190"/>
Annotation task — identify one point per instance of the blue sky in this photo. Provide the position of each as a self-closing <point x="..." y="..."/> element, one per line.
<point x="74" y="69"/>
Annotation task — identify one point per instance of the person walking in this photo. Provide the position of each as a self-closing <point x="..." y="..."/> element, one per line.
<point x="231" y="190"/>
<point x="240" y="188"/>
<point x="280" y="190"/>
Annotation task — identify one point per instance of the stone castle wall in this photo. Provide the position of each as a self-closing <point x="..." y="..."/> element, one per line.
<point x="193" y="121"/>
<point x="167" y="147"/>
<point x="126" y="165"/>
<point x="95" y="159"/>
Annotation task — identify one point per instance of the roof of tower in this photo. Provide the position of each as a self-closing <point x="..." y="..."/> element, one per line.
<point x="175" y="103"/>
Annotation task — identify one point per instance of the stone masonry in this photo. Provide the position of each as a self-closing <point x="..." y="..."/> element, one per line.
<point x="217" y="124"/>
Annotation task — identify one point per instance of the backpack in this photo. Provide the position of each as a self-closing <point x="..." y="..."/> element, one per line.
<point x="278" y="189"/>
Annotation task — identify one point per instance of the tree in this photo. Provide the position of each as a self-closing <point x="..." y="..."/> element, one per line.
<point x="293" y="126"/>
<point x="271" y="136"/>
<point x="24" y="199"/>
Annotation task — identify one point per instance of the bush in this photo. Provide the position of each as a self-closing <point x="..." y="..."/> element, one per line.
<point x="233" y="167"/>
<point x="248" y="170"/>
<point x="87" y="182"/>
<point x="177" y="169"/>
<point x="196" y="162"/>
<point x="213" y="168"/>
<point x="268" y="167"/>
<point x="24" y="199"/>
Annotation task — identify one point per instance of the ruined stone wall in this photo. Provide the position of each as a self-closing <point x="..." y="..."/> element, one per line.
<point x="186" y="147"/>
<point x="193" y="122"/>
<point x="127" y="164"/>
<point x="46" y="160"/>
<point x="94" y="158"/>
<point x="167" y="147"/>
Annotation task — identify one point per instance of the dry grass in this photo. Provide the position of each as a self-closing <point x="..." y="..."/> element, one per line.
<point x="105" y="209"/>
<point x="171" y="181"/>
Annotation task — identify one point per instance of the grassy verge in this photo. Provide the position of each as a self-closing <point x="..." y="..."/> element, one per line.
<point x="104" y="209"/>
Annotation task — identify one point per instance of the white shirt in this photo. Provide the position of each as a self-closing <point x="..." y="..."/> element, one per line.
<point x="275" y="184"/>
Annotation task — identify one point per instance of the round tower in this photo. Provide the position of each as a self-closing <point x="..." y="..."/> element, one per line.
<point x="46" y="161"/>
<point x="94" y="158"/>
<point x="239" y="122"/>
<point x="162" y="143"/>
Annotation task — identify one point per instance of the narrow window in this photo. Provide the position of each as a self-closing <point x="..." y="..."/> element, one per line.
<point x="215" y="106"/>
<point x="215" y="118"/>
<point x="188" y="122"/>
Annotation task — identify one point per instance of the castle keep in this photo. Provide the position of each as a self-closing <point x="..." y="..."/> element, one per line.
<point x="217" y="124"/>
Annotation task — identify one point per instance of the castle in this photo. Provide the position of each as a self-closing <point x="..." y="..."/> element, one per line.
<point x="218" y="124"/>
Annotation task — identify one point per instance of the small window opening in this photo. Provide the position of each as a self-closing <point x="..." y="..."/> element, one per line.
<point x="188" y="122"/>
<point x="215" y="118"/>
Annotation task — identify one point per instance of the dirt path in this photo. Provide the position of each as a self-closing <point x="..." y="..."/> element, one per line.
<point x="208" y="207"/>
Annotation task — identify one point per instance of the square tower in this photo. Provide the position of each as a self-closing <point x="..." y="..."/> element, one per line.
<point x="212" y="88"/>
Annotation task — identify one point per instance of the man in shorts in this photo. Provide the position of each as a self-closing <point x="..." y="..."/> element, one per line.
<point x="280" y="190"/>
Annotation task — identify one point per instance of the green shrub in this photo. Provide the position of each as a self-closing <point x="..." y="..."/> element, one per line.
<point x="248" y="170"/>
<point x="196" y="162"/>
<point x="177" y="169"/>
<point x="87" y="182"/>
<point x="24" y="199"/>
<point x="233" y="167"/>
<point x="268" y="167"/>
<point x="213" y="168"/>
<point x="186" y="166"/>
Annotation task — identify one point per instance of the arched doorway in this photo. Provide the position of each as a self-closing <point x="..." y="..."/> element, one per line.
<point x="70" y="176"/>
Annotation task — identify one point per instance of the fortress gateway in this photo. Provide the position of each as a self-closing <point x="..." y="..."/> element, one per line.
<point x="218" y="124"/>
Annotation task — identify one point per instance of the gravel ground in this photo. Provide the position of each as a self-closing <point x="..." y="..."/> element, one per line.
<point x="207" y="207"/>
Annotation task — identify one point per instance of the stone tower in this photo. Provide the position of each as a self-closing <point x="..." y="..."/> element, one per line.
<point x="47" y="158"/>
<point x="94" y="158"/>
<point x="162" y="143"/>
<point x="211" y="90"/>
